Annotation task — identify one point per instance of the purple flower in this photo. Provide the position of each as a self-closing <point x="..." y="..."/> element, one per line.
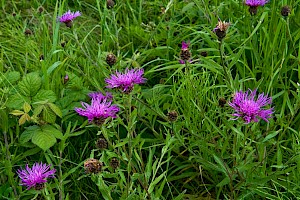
<point x="126" y="81"/>
<point x="248" y="108"/>
<point x="101" y="108"/>
<point x="185" y="53"/>
<point x="36" y="176"/>
<point x="68" y="17"/>
<point x="255" y="3"/>
<point x="184" y="45"/>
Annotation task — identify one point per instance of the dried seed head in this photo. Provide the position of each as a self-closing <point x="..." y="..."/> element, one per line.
<point x="28" y="32"/>
<point x="221" y="29"/>
<point x="285" y="11"/>
<point x="222" y="102"/>
<point x="204" y="53"/>
<point x="63" y="44"/>
<point x="101" y="143"/>
<point x="172" y="115"/>
<point x="110" y="4"/>
<point x="111" y="59"/>
<point x="42" y="57"/>
<point x="92" y="165"/>
<point x="114" y="163"/>
<point x="40" y="9"/>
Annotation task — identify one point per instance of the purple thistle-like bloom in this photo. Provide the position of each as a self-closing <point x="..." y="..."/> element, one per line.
<point x="185" y="53"/>
<point x="255" y="3"/>
<point x="101" y="108"/>
<point x="68" y="17"/>
<point x="126" y="81"/>
<point x="248" y="108"/>
<point x="35" y="176"/>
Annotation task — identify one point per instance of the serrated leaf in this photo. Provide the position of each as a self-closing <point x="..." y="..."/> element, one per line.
<point x="48" y="115"/>
<point x="44" y="96"/>
<point x="26" y="107"/>
<point x="44" y="140"/>
<point x="30" y="84"/>
<point x="17" y="112"/>
<point x="52" y="130"/>
<point x="27" y="134"/>
<point x="55" y="109"/>
<point x="17" y="101"/>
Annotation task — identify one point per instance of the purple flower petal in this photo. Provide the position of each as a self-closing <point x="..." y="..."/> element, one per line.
<point x="38" y="174"/>
<point x="126" y="80"/>
<point x="250" y="109"/>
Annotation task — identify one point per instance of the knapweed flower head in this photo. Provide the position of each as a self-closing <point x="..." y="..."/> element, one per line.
<point x="68" y="17"/>
<point x="126" y="81"/>
<point x="36" y="176"/>
<point x="250" y="108"/>
<point x="185" y="53"/>
<point x="253" y="4"/>
<point x="221" y="29"/>
<point x="100" y="108"/>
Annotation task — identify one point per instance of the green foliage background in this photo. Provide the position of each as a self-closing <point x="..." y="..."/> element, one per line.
<point x="202" y="155"/>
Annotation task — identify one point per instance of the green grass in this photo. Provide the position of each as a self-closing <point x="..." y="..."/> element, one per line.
<point x="203" y="154"/>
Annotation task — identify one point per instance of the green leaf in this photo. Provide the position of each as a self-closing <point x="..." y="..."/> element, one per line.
<point x="271" y="135"/>
<point x="155" y="182"/>
<point x="48" y="115"/>
<point x="38" y="110"/>
<point x="55" y="109"/>
<point x="30" y="84"/>
<point x="10" y="78"/>
<point x="44" y="95"/>
<point x="17" y="101"/>
<point x="52" y="130"/>
<point x="28" y="133"/>
<point x="43" y="139"/>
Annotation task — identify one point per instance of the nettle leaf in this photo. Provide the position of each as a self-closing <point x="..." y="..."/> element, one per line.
<point x="43" y="139"/>
<point x="17" y="101"/>
<point x="30" y="84"/>
<point x="27" y="134"/>
<point x="44" y="95"/>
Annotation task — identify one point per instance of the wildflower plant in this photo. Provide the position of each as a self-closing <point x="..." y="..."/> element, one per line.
<point x="68" y="17"/>
<point x="100" y="109"/>
<point x="36" y="176"/>
<point x="254" y="4"/>
<point x="126" y="81"/>
<point x="249" y="107"/>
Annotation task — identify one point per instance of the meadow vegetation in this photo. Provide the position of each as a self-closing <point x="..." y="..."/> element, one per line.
<point x="150" y="99"/>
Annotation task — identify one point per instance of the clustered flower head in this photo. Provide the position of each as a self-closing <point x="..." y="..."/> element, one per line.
<point x="36" y="176"/>
<point x="100" y="108"/>
<point x="68" y="17"/>
<point x="185" y="53"/>
<point x="253" y="5"/>
<point x="126" y="81"/>
<point x="249" y="108"/>
<point x="221" y="29"/>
